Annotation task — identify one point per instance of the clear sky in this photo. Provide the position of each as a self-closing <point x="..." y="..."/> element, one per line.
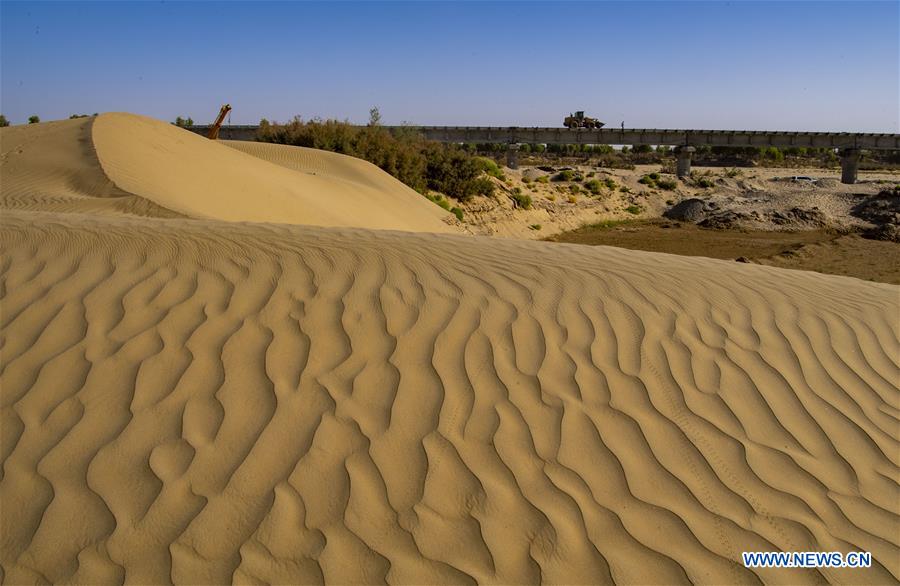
<point x="741" y="64"/>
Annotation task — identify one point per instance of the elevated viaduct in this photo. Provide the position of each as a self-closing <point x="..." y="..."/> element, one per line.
<point x="848" y="144"/>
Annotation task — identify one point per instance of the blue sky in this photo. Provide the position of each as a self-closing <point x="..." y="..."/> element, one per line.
<point x="741" y="64"/>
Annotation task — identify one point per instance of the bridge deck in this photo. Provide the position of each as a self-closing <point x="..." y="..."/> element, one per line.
<point x="629" y="136"/>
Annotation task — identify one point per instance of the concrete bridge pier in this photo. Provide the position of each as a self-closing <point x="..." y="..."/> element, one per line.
<point x="512" y="155"/>
<point x="683" y="161"/>
<point x="849" y="165"/>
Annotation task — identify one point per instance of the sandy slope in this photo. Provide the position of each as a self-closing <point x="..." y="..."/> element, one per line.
<point x="202" y="402"/>
<point x="124" y="163"/>
<point x="204" y="179"/>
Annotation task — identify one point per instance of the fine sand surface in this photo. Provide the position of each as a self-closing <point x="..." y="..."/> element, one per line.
<point x="194" y="400"/>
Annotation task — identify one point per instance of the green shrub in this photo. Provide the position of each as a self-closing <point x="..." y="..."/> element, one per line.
<point x="543" y="179"/>
<point x="610" y="183"/>
<point x="34" y="119"/>
<point x="490" y="167"/>
<point x="522" y="201"/>
<point x="646" y="180"/>
<point x="667" y="184"/>
<point x="182" y="122"/>
<point x="457" y="212"/>
<point x="654" y="176"/>
<point x="573" y="199"/>
<point x="594" y="186"/>
<point x="704" y="182"/>
<point x="567" y="175"/>
<point x="575" y="189"/>
<point x="535" y="226"/>
<point x="625" y="189"/>
<point x="772" y="154"/>
<point x="633" y="209"/>
<point x="402" y="153"/>
<point x="439" y="200"/>
<point x="3" y="121"/>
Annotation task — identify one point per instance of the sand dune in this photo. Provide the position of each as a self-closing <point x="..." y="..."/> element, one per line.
<point x="123" y="163"/>
<point x="204" y="179"/>
<point x="204" y="402"/>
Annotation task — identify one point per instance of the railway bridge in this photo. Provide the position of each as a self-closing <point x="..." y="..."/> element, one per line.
<point x="848" y="144"/>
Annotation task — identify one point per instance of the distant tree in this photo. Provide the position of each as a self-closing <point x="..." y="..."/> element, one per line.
<point x="73" y="116"/>
<point x="182" y="122"/>
<point x="374" y="117"/>
<point x="3" y="121"/>
<point x="34" y="119"/>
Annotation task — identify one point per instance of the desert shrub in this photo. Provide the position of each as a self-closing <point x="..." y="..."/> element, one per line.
<point x="182" y="122"/>
<point x="704" y="182"/>
<point x="3" y="121"/>
<point x="451" y="170"/>
<point x="402" y="153"/>
<point x="34" y="119"/>
<point x="772" y="154"/>
<point x="647" y="180"/>
<point x="439" y="200"/>
<point x="551" y="197"/>
<point x="526" y="180"/>
<point x="522" y="201"/>
<point x="625" y="150"/>
<point x="603" y="149"/>
<point x="654" y="176"/>
<point x="567" y="175"/>
<point x="625" y="189"/>
<point x="573" y="199"/>
<point x="667" y="184"/>
<point x="575" y="189"/>
<point x="535" y="226"/>
<point x="543" y="179"/>
<point x="610" y="183"/>
<point x="642" y="149"/>
<point x="594" y="186"/>
<point x="733" y="172"/>
<point x="457" y="212"/>
<point x="490" y="167"/>
<point x="633" y="209"/>
<point x="525" y="148"/>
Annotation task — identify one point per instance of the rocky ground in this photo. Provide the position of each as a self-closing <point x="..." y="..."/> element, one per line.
<point x="567" y="198"/>
<point x="792" y="218"/>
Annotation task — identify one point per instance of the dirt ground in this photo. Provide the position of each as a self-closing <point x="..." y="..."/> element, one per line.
<point x="823" y="250"/>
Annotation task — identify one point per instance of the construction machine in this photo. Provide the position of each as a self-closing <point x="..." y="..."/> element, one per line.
<point x="214" y="131"/>
<point x="579" y="120"/>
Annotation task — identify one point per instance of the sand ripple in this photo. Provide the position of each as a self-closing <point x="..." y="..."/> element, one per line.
<point x="200" y="402"/>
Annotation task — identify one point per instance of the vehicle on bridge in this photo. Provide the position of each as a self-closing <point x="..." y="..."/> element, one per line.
<point x="579" y="120"/>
